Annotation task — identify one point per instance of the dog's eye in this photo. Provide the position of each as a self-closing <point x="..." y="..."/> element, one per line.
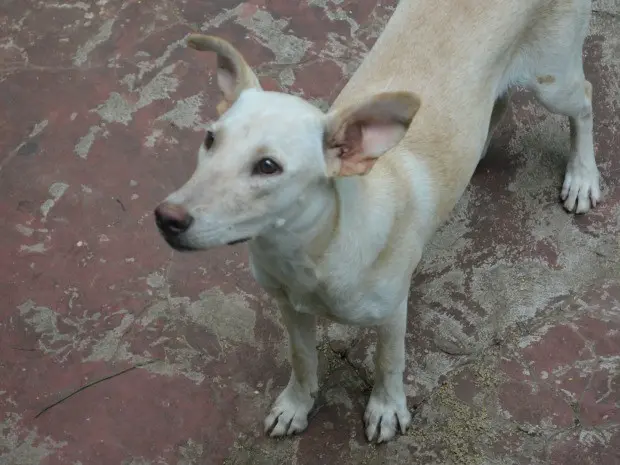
<point x="266" y="166"/>
<point x="209" y="139"/>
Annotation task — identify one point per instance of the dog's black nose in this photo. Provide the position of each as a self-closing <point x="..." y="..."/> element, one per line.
<point x="172" y="219"/>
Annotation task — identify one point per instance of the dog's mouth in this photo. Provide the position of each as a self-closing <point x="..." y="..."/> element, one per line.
<point x="178" y="245"/>
<point x="183" y="248"/>
<point x="240" y="241"/>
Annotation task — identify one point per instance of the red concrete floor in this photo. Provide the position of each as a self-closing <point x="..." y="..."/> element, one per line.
<point x="148" y="357"/>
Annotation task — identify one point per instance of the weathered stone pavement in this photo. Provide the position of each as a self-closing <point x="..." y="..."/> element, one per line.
<point x="150" y="357"/>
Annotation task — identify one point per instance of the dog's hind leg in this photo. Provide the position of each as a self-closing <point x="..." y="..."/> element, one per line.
<point x="560" y="85"/>
<point x="570" y="94"/>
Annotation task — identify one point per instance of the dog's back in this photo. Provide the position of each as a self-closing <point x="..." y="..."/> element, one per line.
<point x="460" y="56"/>
<point x="453" y="48"/>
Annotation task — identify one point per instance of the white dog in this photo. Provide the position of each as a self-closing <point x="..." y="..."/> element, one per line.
<point x="338" y="207"/>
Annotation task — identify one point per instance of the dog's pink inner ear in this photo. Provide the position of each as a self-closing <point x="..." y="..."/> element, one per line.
<point x="375" y="138"/>
<point x="364" y="143"/>
<point x="363" y="133"/>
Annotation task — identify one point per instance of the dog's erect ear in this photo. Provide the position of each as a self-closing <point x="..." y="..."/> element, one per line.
<point x="357" y="136"/>
<point x="234" y="75"/>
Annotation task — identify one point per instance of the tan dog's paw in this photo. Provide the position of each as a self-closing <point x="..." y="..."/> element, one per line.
<point x="384" y="418"/>
<point x="289" y="414"/>
<point x="581" y="190"/>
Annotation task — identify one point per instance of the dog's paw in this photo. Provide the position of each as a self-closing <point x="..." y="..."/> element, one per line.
<point x="385" y="418"/>
<point x="289" y="414"/>
<point x="581" y="190"/>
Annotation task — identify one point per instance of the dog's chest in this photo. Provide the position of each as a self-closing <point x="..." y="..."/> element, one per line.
<point x="298" y="277"/>
<point x="324" y="302"/>
<point x="356" y="305"/>
<point x="313" y="290"/>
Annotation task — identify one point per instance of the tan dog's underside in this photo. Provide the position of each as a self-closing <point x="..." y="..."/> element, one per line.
<point x="338" y="207"/>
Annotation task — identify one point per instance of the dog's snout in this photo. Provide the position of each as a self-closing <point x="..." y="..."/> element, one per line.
<point x="173" y="219"/>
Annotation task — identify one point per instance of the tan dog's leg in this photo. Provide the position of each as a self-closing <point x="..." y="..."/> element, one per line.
<point x="387" y="407"/>
<point x="570" y="94"/>
<point x="499" y="110"/>
<point x="289" y="413"/>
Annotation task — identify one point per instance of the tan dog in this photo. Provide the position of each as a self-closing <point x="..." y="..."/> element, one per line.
<point x="338" y="206"/>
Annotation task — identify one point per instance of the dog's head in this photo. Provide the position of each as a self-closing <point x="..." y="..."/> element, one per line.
<point x="266" y="150"/>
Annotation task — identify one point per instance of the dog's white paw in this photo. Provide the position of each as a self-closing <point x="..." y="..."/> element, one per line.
<point x="289" y="414"/>
<point x="581" y="190"/>
<point x="383" y="417"/>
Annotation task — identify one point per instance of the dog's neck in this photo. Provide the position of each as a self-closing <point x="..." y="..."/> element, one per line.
<point x="306" y="229"/>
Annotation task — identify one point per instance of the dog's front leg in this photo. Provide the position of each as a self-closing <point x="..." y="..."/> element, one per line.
<point x="289" y="413"/>
<point x="387" y="407"/>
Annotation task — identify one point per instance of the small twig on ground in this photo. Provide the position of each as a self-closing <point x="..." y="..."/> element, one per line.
<point x="91" y="384"/>
<point x="23" y="349"/>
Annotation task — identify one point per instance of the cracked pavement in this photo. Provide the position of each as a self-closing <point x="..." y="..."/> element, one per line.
<point x="150" y="357"/>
